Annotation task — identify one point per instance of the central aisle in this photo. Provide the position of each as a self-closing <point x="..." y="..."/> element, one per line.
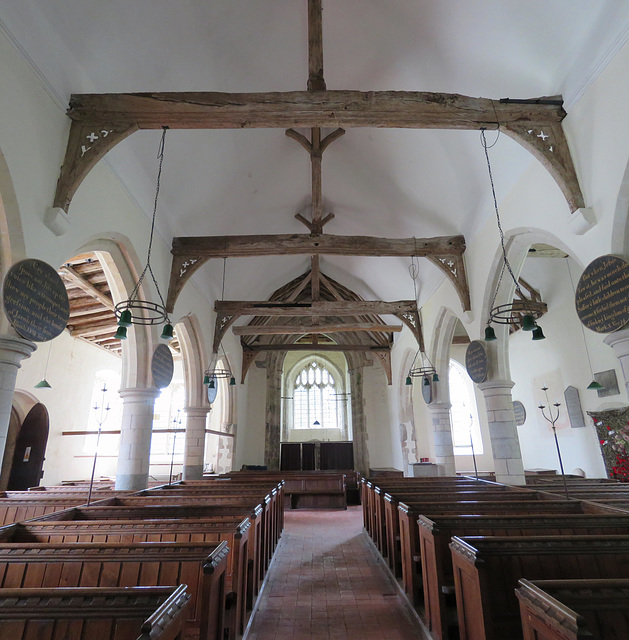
<point x="326" y="583"/>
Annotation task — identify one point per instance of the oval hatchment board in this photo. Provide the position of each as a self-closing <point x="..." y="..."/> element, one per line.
<point x="602" y="294"/>
<point x="35" y="300"/>
<point x="162" y="366"/>
<point x="476" y="361"/>
<point x="519" y="412"/>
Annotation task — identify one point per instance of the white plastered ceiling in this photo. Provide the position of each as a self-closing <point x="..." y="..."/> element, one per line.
<point x="380" y="182"/>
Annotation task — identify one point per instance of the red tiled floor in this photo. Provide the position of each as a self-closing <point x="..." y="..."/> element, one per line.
<point x="327" y="584"/>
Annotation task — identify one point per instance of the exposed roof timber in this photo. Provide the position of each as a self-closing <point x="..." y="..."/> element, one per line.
<point x="101" y="121"/>
<point x="321" y="308"/>
<point x="76" y="279"/>
<point x="316" y="347"/>
<point x="271" y="330"/>
<point x="189" y="253"/>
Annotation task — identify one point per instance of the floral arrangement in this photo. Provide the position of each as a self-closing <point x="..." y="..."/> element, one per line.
<point x="612" y="428"/>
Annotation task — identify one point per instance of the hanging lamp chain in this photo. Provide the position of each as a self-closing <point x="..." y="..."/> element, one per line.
<point x="136" y="289"/>
<point x="502" y="237"/>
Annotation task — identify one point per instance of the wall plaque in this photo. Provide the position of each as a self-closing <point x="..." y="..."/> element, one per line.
<point x="162" y="366"/>
<point x="35" y="300"/>
<point x="573" y="405"/>
<point x="519" y="412"/>
<point x="476" y="361"/>
<point x="602" y="294"/>
<point x="609" y="381"/>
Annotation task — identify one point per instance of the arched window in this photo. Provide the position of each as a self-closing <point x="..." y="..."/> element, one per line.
<point x="315" y="398"/>
<point x="464" y="412"/>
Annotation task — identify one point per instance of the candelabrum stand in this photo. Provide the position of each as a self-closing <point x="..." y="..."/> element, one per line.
<point x="552" y="418"/>
<point x="100" y="419"/>
<point x="176" y="426"/>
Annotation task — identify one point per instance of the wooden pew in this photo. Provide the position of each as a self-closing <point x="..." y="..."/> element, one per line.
<point x="234" y="533"/>
<point x="16" y="510"/>
<point x="435" y="533"/>
<point x="309" y="489"/>
<point x="487" y="571"/>
<point x="83" y="613"/>
<point x="574" y="609"/>
<point x="188" y="514"/>
<point x="201" y="566"/>
<point x="408" y="513"/>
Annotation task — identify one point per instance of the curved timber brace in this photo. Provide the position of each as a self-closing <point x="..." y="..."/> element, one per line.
<point x="182" y="268"/>
<point x="411" y="320"/>
<point x="453" y="265"/>
<point x="112" y="117"/>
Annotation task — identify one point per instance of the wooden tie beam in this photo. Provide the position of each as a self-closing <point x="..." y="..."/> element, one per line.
<point x="190" y="253"/>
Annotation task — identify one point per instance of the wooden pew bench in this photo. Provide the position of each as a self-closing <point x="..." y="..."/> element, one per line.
<point x="435" y="533"/>
<point x="201" y="566"/>
<point x="132" y="613"/>
<point x="16" y="510"/>
<point x="186" y="516"/>
<point x="574" y="609"/>
<point x="234" y="533"/>
<point x="487" y="571"/>
<point x="408" y="513"/>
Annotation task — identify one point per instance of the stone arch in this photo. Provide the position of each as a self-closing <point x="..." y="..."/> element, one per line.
<point x="188" y="331"/>
<point x="122" y="267"/>
<point x="12" y="248"/>
<point x="441" y="347"/>
<point x="517" y="243"/>
<point x="620" y="225"/>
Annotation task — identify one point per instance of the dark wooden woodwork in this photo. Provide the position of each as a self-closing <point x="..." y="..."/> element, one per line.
<point x="199" y="565"/>
<point x="84" y="613"/>
<point x="574" y="609"/>
<point x="487" y="571"/>
<point x="436" y="561"/>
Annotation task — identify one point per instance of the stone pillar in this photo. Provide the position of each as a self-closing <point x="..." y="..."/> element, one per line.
<point x="619" y="342"/>
<point x="194" y="448"/>
<point x="359" y="427"/>
<point x="273" y="414"/>
<point x="442" y="429"/>
<point x="135" y="438"/>
<point x="505" y="445"/>
<point x="12" y="351"/>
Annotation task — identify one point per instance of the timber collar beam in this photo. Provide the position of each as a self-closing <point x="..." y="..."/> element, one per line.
<point x="101" y="121"/>
<point x="189" y="254"/>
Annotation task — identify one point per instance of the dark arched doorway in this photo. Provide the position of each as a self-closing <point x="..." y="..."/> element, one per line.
<point x="30" y="448"/>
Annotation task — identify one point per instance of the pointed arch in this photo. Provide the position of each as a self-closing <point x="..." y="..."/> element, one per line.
<point x="188" y="331"/>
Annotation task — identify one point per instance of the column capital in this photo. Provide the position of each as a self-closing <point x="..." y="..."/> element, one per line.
<point x="13" y="349"/>
<point x="439" y="406"/>
<point x="497" y="386"/>
<point x="139" y="394"/>
<point x="196" y="412"/>
<point x="618" y="341"/>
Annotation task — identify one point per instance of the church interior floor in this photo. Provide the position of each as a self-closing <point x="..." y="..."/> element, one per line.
<point x="326" y="583"/>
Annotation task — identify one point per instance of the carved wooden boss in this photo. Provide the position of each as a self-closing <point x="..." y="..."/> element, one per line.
<point x="101" y="121"/>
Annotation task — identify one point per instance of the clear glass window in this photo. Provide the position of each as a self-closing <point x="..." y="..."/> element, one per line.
<point x="314" y="399"/>
<point x="464" y="412"/>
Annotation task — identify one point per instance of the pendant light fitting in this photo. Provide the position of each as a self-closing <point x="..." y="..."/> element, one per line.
<point x="43" y="383"/>
<point x="211" y="374"/>
<point x="425" y="370"/>
<point x="523" y="313"/>
<point x="135" y="311"/>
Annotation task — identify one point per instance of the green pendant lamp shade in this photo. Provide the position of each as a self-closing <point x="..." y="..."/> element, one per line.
<point x="528" y="323"/>
<point x="167" y="333"/>
<point x="538" y="334"/>
<point x="232" y="382"/>
<point x="206" y="379"/>
<point x="408" y="380"/>
<point x="121" y="333"/>
<point x="426" y="381"/>
<point x="125" y="319"/>
<point x="211" y="384"/>
<point x="44" y="384"/>
<point x="595" y="386"/>
<point x="490" y="334"/>
<point x="435" y="377"/>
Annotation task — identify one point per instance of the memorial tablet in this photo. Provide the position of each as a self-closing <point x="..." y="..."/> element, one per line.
<point x="573" y="405"/>
<point x="520" y="413"/>
<point x="162" y="366"/>
<point x="476" y="361"/>
<point x="35" y="300"/>
<point x="602" y="294"/>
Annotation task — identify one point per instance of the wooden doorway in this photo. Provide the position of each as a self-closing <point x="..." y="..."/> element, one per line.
<point x="30" y="448"/>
